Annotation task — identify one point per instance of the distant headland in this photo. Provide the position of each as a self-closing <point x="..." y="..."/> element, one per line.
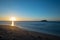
<point x="44" y="21"/>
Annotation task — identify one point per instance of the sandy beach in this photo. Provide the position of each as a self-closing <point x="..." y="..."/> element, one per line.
<point x="14" y="33"/>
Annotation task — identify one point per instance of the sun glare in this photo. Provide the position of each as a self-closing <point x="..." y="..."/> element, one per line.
<point x="12" y="19"/>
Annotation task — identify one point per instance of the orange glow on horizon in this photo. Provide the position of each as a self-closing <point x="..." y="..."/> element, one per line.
<point x="14" y="18"/>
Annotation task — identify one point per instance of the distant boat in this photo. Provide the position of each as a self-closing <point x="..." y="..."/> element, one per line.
<point x="44" y="21"/>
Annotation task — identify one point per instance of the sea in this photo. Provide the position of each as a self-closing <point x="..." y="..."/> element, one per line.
<point x="50" y="27"/>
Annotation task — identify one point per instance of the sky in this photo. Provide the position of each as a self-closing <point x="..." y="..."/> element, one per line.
<point x="30" y="10"/>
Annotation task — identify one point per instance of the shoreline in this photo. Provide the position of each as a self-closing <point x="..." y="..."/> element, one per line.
<point x="13" y="32"/>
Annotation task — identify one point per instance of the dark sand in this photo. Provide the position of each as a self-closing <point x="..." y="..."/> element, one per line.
<point x="15" y="33"/>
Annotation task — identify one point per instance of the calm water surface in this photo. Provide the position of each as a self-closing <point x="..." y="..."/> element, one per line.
<point x="43" y="27"/>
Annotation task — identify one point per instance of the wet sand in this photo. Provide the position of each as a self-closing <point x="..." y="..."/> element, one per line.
<point x="14" y="33"/>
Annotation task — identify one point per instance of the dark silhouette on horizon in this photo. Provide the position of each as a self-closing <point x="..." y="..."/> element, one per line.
<point x="44" y="21"/>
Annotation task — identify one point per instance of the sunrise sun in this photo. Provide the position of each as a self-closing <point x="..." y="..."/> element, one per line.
<point x="12" y="19"/>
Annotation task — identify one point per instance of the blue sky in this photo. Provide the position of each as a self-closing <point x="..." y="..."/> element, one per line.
<point x="33" y="9"/>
